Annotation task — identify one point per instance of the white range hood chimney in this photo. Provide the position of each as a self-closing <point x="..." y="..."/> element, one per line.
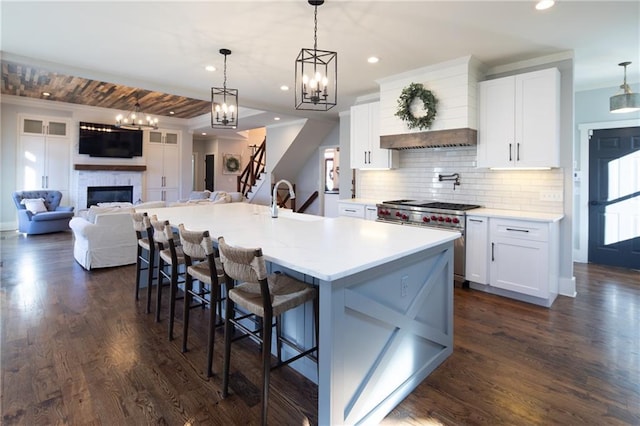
<point x="454" y="84"/>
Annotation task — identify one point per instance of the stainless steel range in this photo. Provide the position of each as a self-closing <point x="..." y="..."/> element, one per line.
<point x="433" y="214"/>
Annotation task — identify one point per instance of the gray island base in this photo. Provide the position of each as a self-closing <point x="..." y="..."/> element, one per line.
<point x="386" y="299"/>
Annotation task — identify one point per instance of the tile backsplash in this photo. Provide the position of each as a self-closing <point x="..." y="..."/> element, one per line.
<point x="417" y="178"/>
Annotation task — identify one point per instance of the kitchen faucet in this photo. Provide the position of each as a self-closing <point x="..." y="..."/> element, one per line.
<point x="274" y="199"/>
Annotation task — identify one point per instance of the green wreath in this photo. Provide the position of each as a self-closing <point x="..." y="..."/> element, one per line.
<point x="408" y="95"/>
<point x="232" y="164"/>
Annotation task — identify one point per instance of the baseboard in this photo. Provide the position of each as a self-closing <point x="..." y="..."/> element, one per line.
<point x="567" y="287"/>
<point x="8" y="226"/>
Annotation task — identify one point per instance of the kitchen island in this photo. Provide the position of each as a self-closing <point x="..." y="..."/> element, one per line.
<point x="386" y="298"/>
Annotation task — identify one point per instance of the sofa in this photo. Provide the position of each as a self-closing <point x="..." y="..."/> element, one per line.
<point x="40" y="212"/>
<point x="104" y="235"/>
<point x="210" y="197"/>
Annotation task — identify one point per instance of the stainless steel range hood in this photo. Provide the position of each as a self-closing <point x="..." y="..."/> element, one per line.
<point x="431" y="139"/>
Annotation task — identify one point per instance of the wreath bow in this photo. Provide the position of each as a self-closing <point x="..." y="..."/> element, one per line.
<point x="408" y="95"/>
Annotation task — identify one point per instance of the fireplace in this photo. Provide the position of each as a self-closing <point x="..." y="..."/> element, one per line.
<point x="109" y="194"/>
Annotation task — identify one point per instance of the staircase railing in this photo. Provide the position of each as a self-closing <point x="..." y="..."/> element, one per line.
<point x="307" y="203"/>
<point x="254" y="168"/>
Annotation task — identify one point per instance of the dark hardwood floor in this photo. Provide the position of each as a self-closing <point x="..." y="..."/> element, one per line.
<point x="78" y="350"/>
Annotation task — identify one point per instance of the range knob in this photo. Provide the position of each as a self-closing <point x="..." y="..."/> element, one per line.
<point x="398" y="214"/>
<point x="440" y="219"/>
<point x="455" y="220"/>
<point x="405" y="217"/>
<point x="434" y="217"/>
<point x="426" y="219"/>
<point x="447" y="219"/>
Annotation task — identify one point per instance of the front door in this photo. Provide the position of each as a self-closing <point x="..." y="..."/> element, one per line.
<point x="614" y="197"/>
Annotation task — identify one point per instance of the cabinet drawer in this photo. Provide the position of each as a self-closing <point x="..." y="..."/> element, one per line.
<point x="353" y="210"/>
<point x="520" y="229"/>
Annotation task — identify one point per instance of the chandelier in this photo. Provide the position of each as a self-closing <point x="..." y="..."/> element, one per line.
<point x="224" y="102"/>
<point x="136" y="119"/>
<point x="316" y="73"/>
<point x="627" y="101"/>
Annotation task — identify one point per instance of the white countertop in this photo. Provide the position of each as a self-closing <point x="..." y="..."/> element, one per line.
<point x="516" y="214"/>
<point x="326" y="248"/>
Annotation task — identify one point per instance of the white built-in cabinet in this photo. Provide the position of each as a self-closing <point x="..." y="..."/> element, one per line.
<point x="519" y="121"/>
<point x="365" y="139"/>
<point x="44" y="154"/>
<point x="514" y="258"/>
<point x="162" y="153"/>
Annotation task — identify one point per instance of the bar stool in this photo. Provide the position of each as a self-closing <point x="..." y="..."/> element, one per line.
<point x="203" y="265"/>
<point x="144" y="233"/>
<point x="266" y="297"/>
<point x="171" y="255"/>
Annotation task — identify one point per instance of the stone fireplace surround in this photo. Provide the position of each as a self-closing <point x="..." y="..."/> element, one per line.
<point x="95" y="176"/>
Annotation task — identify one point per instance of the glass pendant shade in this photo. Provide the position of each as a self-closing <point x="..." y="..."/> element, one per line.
<point x="627" y="101"/>
<point x="224" y="102"/>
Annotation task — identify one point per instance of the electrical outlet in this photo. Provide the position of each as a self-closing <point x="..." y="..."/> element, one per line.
<point x="404" y="285"/>
<point x="551" y="195"/>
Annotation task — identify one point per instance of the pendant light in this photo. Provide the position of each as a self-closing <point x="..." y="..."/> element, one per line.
<point x="136" y="119"/>
<point x="627" y="101"/>
<point x="224" y="102"/>
<point x="316" y="75"/>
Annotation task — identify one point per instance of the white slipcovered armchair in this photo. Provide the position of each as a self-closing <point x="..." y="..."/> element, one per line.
<point x="104" y="236"/>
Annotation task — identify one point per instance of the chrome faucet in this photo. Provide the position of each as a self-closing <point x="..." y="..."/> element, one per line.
<point x="274" y="199"/>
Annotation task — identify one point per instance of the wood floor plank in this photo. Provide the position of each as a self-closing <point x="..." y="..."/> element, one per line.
<point x="78" y="349"/>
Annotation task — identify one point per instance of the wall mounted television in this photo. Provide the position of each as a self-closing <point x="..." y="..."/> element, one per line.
<point x="105" y="140"/>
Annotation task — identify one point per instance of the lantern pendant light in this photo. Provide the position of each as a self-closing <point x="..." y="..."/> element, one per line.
<point x="224" y="102"/>
<point x="316" y="75"/>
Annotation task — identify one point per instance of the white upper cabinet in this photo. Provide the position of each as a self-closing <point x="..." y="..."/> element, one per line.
<point x="365" y="139"/>
<point x="520" y="121"/>
<point x="45" y="155"/>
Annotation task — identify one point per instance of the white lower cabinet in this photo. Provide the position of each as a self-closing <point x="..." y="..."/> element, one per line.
<point x="354" y="209"/>
<point x="520" y="258"/>
<point x="477" y="243"/>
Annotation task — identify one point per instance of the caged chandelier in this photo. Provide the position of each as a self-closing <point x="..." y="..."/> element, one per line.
<point x="316" y="73"/>
<point x="224" y="102"/>
<point x="136" y="119"/>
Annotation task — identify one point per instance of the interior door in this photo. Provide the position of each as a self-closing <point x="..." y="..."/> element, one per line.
<point x="614" y="197"/>
<point x="209" y="172"/>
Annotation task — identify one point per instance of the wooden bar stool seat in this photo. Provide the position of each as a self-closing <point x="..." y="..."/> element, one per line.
<point x="267" y="297"/>
<point x="203" y="265"/>
<point x="170" y="255"/>
<point x="146" y="252"/>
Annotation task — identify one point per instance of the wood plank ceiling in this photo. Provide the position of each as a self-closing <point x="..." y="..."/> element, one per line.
<point x="30" y="81"/>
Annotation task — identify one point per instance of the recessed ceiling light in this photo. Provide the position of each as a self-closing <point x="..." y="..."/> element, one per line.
<point x="46" y="94"/>
<point x="204" y="133"/>
<point x="284" y="88"/>
<point x="171" y="112"/>
<point x="276" y="118"/>
<point x="210" y="68"/>
<point x="545" y="4"/>
<point x="373" y="60"/>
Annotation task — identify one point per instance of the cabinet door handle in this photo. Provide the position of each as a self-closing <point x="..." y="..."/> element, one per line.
<point x="492" y="252"/>
<point x="476" y="220"/>
<point x="42" y="181"/>
<point x="518" y="151"/>
<point x="510" y="158"/>
<point x="47" y="180"/>
<point x="517" y="230"/>
<point x="365" y="157"/>
<point x="349" y="210"/>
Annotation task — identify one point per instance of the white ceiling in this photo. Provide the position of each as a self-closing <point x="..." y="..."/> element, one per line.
<point x="164" y="46"/>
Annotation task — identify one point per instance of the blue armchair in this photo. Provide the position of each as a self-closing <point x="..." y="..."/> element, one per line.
<point x="54" y="219"/>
